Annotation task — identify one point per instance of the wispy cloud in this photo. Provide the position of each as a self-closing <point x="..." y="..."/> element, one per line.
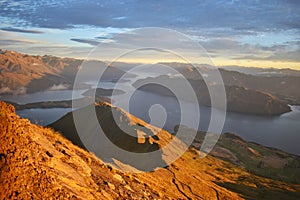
<point x="282" y="55"/>
<point x="86" y="41"/>
<point x="16" y="42"/>
<point x="21" y="30"/>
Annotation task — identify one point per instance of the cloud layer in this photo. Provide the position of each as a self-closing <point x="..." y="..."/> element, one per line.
<point x="237" y="29"/>
<point x="241" y="15"/>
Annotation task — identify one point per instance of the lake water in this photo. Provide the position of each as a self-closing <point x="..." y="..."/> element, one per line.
<point x="282" y="132"/>
<point x="43" y="116"/>
<point x="49" y="95"/>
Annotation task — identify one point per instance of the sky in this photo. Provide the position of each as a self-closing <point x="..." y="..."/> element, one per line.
<point x="233" y="32"/>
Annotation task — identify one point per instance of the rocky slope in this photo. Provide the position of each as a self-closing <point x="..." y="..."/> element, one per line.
<point x="38" y="163"/>
<point x="188" y="170"/>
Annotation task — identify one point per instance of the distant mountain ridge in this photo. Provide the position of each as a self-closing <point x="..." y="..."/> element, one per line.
<point x="238" y="98"/>
<point x="267" y="72"/>
<point x="285" y="87"/>
<point x="22" y="73"/>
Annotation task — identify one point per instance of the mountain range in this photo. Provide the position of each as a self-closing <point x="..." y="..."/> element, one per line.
<point x="22" y="73"/>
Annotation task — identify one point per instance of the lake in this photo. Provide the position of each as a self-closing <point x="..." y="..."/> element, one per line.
<point x="282" y="132"/>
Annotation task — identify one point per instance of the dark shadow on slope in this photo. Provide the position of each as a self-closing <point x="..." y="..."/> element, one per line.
<point x="118" y="137"/>
<point x="45" y="83"/>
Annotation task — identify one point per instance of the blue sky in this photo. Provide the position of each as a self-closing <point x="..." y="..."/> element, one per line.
<point x="237" y="32"/>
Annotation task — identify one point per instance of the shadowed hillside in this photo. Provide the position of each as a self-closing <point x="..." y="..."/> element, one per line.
<point x="116" y="124"/>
